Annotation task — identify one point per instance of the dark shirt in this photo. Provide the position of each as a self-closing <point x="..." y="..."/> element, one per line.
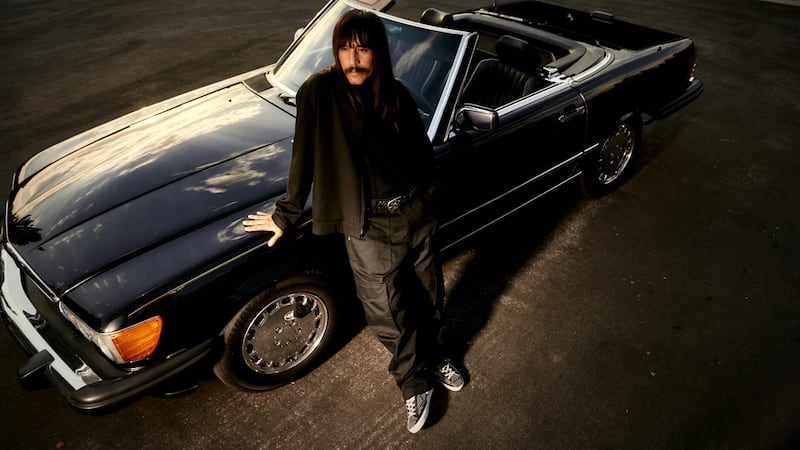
<point x="390" y="170"/>
<point x="332" y="143"/>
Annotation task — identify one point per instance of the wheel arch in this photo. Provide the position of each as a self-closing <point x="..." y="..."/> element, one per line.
<point x="256" y="353"/>
<point x="589" y="186"/>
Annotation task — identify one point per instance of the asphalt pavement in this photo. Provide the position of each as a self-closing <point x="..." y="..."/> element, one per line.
<point x="662" y="316"/>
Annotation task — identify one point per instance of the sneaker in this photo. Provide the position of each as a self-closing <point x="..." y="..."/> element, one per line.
<point x="418" y="407"/>
<point x="449" y="377"/>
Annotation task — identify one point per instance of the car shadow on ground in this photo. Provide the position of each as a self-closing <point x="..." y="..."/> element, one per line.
<point x="498" y="253"/>
<point x="494" y="256"/>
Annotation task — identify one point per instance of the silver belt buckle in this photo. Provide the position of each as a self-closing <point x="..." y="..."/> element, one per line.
<point x="395" y="204"/>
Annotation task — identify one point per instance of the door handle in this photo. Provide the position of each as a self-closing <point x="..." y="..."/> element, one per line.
<point x="571" y="113"/>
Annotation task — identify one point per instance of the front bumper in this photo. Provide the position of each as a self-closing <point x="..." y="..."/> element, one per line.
<point x="54" y="355"/>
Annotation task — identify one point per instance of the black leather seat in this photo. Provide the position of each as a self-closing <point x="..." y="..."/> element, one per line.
<point x="510" y="76"/>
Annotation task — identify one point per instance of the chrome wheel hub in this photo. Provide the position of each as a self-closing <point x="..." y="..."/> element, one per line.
<point x="615" y="154"/>
<point x="284" y="333"/>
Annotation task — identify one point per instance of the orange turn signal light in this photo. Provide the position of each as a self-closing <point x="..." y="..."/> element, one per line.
<point x="139" y="341"/>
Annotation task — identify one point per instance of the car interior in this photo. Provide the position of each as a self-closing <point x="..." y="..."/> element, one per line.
<point x="510" y="75"/>
<point x="512" y="60"/>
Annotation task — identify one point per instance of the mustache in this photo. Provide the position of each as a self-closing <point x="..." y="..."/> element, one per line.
<point x="355" y="69"/>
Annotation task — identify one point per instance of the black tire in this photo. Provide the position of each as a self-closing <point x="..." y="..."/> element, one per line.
<point x="613" y="163"/>
<point x="259" y="353"/>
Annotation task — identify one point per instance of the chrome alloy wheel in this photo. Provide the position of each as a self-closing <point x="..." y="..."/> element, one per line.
<point x="284" y="333"/>
<point x="616" y="153"/>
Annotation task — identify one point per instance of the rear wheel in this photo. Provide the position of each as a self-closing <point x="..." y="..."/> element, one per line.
<point x="278" y="336"/>
<point x="613" y="162"/>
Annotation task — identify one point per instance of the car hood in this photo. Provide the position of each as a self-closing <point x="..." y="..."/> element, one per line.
<point x="80" y="221"/>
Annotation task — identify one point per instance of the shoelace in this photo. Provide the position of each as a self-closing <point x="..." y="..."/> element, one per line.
<point x="448" y="371"/>
<point x="411" y="406"/>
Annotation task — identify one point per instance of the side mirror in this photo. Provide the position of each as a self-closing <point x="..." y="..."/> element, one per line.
<point x="473" y="117"/>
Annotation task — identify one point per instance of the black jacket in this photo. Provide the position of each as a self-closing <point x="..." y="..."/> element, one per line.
<point x="326" y="156"/>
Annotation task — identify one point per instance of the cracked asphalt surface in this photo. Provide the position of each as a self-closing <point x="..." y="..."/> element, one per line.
<point x="662" y="316"/>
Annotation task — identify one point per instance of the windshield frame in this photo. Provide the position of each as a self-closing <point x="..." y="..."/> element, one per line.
<point x="457" y="39"/>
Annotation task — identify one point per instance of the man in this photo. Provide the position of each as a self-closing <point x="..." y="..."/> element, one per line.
<point x="360" y="144"/>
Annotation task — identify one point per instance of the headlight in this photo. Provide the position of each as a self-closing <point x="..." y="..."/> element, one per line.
<point x="124" y="346"/>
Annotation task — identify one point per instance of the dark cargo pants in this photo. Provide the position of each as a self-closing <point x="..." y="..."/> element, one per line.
<point x="399" y="281"/>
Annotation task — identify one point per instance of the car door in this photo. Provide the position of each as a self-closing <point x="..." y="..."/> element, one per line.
<point x="533" y="146"/>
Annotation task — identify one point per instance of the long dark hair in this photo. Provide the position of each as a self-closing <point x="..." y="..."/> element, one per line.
<point x="366" y="29"/>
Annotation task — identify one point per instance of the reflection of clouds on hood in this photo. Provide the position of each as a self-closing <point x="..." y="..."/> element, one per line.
<point x="148" y="142"/>
<point x="241" y="171"/>
<point x="160" y="150"/>
<point x="232" y="232"/>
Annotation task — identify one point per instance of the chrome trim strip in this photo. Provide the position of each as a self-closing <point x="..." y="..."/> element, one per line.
<point x="19" y="261"/>
<point x="536" y="97"/>
<point x="606" y="60"/>
<point x="591" y="148"/>
<point x="438" y="114"/>
<point x="18" y="308"/>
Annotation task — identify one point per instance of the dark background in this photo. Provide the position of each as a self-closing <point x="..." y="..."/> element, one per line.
<point x="664" y="315"/>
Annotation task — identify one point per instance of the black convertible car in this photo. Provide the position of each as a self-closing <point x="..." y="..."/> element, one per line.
<point x="124" y="258"/>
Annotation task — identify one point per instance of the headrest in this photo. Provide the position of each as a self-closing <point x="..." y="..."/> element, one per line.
<point x="433" y="16"/>
<point x="517" y="53"/>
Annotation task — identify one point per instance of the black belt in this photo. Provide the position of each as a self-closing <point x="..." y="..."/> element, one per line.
<point x="392" y="205"/>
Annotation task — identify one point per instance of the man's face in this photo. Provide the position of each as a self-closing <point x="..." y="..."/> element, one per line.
<point x="356" y="62"/>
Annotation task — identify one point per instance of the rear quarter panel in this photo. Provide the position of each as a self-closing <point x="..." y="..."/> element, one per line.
<point x="636" y="81"/>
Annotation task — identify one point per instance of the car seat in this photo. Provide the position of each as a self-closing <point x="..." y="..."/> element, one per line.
<point x="510" y="76"/>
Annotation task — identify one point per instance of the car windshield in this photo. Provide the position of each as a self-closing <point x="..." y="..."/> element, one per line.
<point x="421" y="57"/>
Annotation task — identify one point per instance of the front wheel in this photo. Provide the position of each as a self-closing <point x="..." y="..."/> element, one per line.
<point x="613" y="162"/>
<point x="278" y="336"/>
